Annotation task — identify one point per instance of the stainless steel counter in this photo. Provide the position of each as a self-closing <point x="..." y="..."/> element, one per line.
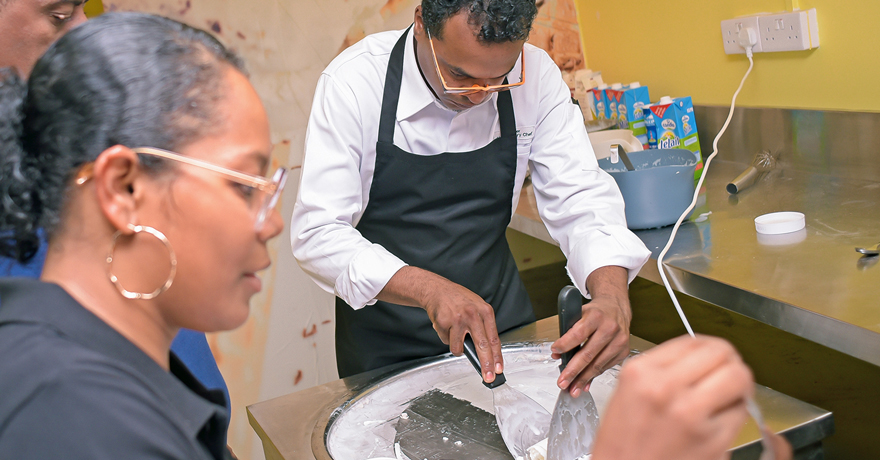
<point x="810" y="283"/>
<point x="294" y="426"/>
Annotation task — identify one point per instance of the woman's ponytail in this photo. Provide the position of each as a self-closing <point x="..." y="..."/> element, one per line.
<point x="19" y="202"/>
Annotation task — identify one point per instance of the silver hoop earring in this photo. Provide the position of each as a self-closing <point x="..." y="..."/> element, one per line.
<point x="140" y="295"/>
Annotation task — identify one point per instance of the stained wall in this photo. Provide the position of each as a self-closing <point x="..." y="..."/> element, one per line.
<point x="287" y="343"/>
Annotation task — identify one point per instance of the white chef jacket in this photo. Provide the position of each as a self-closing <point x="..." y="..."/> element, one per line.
<point x="579" y="203"/>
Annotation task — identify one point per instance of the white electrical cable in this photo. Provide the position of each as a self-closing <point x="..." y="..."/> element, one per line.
<point x="687" y="211"/>
<point x="754" y="411"/>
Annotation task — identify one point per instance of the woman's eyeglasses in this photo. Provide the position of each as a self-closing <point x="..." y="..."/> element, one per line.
<point x="262" y="202"/>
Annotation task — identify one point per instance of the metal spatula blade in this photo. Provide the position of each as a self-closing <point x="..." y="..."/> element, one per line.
<point x="575" y="420"/>
<point x="521" y="421"/>
<point x="573" y="427"/>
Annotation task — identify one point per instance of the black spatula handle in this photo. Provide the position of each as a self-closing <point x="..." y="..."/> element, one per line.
<point x="470" y="350"/>
<point x="570" y="304"/>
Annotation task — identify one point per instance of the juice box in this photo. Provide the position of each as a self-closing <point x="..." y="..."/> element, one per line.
<point x="612" y="98"/>
<point x="599" y="102"/>
<point x="671" y="124"/>
<point x="633" y="98"/>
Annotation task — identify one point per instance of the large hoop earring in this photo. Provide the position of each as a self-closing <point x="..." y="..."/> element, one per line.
<point x="141" y="295"/>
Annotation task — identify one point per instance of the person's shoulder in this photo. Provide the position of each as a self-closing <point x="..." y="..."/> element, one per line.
<point x="371" y="52"/>
<point x="66" y="401"/>
<point x="537" y="60"/>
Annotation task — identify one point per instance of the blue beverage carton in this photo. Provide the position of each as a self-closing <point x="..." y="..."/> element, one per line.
<point x="671" y="125"/>
<point x="633" y="98"/>
<point x="599" y="102"/>
<point x="612" y="98"/>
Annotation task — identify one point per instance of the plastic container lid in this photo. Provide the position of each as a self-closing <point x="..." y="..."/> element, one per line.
<point x="665" y="100"/>
<point x="617" y="86"/>
<point x="782" y="239"/>
<point x="777" y="223"/>
<point x="635" y="84"/>
<point x="602" y="86"/>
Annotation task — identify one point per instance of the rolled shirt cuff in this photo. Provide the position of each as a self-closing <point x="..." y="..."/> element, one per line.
<point x="367" y="274"/>
<point x="611" y="245"/>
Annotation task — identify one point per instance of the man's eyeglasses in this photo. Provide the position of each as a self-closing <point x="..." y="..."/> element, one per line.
<point x="465" y="91"/>
<point x="263" y="192"/>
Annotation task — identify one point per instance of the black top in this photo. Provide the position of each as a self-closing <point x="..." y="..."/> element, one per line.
<point x="72" y="387"/>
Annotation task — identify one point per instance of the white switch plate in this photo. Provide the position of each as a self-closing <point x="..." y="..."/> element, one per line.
<point x="794" y="31"/>
<point x="730" y="34"/>
<point x="787" y="31"/>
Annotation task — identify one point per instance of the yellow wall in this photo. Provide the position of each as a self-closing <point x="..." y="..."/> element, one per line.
<point x="93" y="8"/>
<point x="674" y="47"/>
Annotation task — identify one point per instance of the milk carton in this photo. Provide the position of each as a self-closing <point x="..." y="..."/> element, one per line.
<point x="613" y="96"/>
<point x="584" y="82"/>
<point x="633" y="98"/>
<point x="599" y="102"/>
<point x="670" y="124"/>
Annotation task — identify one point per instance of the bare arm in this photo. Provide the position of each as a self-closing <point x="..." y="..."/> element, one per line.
<point x="453" y="309"/>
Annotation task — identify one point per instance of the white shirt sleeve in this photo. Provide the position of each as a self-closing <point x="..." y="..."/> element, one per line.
<point x="579" y="203"/>
<point x="331" y="199"/>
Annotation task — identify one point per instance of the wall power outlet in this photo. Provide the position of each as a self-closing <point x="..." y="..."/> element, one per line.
<point x="730" y="29"/>
<point x="787" y="31"/>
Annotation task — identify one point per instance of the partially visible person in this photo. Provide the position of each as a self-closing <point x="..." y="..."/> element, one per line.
<point x="27" y="29"/>
<point x="139" y="147"/>
<point x="684" y="399"/>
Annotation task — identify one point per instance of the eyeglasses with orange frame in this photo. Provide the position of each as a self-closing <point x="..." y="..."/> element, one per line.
<point x="475" y="88"/>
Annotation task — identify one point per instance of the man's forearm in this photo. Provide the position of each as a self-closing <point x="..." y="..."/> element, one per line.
<point x="610" y="282"/>
<point x="410" y="286"/>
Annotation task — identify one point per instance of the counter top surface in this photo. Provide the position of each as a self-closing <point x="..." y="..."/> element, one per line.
<point x="293" y="426"/>
<point x="811" y="283"/>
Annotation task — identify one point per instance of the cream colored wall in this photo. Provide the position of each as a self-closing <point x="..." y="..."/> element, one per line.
<point x="675" y="48"/>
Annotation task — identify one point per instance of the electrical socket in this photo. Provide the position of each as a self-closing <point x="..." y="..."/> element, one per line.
<point x="789" y="31"/>
<point x="730" y="34"/>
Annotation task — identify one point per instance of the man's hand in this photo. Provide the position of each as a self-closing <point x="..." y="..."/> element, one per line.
<point x="604" y="326"/>
<point x="683" y="400"/>
<point x="454" y="310"/>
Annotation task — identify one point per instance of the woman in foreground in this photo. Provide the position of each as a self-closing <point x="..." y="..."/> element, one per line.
<point x="141" y="148"/>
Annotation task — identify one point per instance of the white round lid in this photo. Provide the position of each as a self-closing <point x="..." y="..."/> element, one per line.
<point x="617" y="86"/>
<point x="635" y="84"/>
<point x="603" y="86"/>
<point x="665" y="100"/>
<point x="777" y="223"/>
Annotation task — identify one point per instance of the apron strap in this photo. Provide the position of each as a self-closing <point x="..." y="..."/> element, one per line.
<point x="393" y="76"/>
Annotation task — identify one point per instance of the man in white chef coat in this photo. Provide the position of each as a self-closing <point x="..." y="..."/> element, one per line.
<point x="417" y="147"/>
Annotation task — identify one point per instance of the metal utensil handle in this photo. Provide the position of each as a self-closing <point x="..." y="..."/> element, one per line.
<point x="570" y="304"/>
<point x="617" y="148"/>
<point x="470" y="350"/>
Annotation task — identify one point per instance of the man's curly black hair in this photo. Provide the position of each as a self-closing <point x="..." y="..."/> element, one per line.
<point x="498" y="20"/>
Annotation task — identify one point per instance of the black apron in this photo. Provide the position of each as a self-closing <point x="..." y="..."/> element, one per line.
<point x="444" y="213"/>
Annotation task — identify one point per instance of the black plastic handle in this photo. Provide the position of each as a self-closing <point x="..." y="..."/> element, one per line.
<point x="470" y="350"/>
<point x="570" y="305"/>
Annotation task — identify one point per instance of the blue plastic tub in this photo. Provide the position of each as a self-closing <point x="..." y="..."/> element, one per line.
<point x="659" y="189"/>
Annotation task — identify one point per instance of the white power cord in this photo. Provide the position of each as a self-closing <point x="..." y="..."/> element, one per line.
<point x="697" y="194"/>
<point x="747" y="39"/>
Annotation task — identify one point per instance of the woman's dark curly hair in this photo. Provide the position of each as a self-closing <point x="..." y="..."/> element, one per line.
<point x="120" y="79"/>
<point x="498" y="20"/>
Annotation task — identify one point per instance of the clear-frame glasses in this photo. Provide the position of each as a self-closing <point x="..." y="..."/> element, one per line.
<point x="465" y="91"/>
<point x="268" y="189"/>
